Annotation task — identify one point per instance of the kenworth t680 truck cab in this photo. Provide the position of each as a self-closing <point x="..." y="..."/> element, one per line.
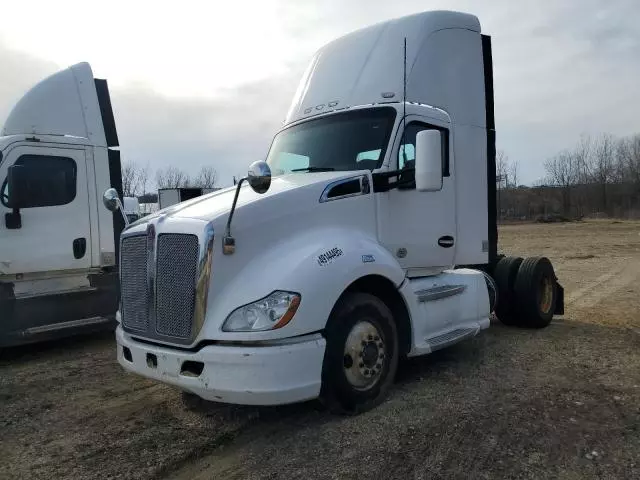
<point x="369" y="234"/>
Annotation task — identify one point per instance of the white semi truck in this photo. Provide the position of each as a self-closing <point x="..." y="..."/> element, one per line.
<point x="58" y="242"/>
<point x="368" y="235"/>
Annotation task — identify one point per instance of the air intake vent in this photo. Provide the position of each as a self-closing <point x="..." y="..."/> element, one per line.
<point x="175" y="284"/>
<point x="133" y="283"/>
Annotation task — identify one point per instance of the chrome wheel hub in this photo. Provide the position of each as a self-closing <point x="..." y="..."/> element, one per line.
<point x="364" y="356"/>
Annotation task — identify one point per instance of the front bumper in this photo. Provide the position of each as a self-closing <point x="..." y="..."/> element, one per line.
<point x="269" y="374"/>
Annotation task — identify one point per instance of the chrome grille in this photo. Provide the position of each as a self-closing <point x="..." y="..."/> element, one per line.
<point x="133" y="283"/>
<point x="176" y="267"/>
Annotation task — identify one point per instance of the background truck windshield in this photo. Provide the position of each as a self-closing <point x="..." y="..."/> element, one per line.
<point x="345" y="141"/>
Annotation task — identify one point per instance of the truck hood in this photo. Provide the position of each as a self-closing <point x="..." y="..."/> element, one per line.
<point x="218" y="204"/>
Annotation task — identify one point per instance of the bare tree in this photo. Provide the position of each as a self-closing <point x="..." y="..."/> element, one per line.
<point x="134" y="178"/>
<point x="602" y="167"/>
<point x="502" y="162"/>
<point x="563" y="172"/>
<point x="172" y="177"/>
<point x="513" y="170"/>
<point x="206" y="178"/>
<point x="629" y="157"/>
<point x="143" y="179"/>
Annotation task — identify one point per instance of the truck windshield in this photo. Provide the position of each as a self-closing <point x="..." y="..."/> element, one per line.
<point x="354" y="140"/>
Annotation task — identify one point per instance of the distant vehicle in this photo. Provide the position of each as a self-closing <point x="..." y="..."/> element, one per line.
<point x="375" y="240"/>
<point x="131" y="208"/>
<point x="172" y="196"/>
<point x="59" y="244"/>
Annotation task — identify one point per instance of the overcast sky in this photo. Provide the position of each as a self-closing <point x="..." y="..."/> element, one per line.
<point x="209" y="83"/>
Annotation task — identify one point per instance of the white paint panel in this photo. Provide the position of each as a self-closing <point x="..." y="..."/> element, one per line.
<point x="104" y="224"/>
<point x="45" y="241"/>
<point x="444" y="67"/>
<point x="65" y="103"/>
<point x="468" y="309"/>
<point x="472" y="209"/>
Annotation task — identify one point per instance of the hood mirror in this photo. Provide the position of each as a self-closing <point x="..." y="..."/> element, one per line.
<point x="259" y="176"/>
<point x="259" y="179"/>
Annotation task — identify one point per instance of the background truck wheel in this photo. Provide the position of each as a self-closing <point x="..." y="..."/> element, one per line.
<point x="505" y="275"/>
<point x="536" y="292"/>
<point x="361" y="357"/>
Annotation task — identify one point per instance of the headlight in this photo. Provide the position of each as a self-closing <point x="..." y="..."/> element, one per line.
<point x="269" y="313"/>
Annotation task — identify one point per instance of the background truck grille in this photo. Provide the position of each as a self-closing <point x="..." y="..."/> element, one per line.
<point x="133" y="283"/>
<point x="176" y="283"/>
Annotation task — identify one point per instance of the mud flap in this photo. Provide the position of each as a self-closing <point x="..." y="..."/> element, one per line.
<point x="559" y="300"/>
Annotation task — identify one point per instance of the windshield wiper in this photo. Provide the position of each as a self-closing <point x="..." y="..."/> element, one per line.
<point x="314" y="169"/>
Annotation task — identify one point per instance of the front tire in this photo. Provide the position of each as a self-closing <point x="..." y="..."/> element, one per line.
<point x="361" y="357"/>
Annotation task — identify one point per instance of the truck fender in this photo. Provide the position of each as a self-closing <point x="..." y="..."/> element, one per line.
<point x="319" y="265"/>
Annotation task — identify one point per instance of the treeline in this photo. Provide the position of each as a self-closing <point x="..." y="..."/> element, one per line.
<point x="136" y="179"/>
<point x="598" y="177"/>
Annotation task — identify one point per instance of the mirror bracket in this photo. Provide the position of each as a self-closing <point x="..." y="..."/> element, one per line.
<point x="228" y="242"/>
<point x="259" y="179"/>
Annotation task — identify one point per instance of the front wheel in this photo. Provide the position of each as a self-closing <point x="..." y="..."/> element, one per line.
<point x="361" y="358"/>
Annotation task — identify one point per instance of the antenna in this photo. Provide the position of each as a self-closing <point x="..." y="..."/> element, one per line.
<point x="404" y="102"/>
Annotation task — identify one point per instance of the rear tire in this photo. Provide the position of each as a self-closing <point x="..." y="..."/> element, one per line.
<point x="536" y="292"/>
<point x="505" y="275"/>
<point x="361" y="357"/>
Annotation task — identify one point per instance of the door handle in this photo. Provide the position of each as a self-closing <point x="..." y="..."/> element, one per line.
<point x="79" y="247"/>
<point x="446" y="241"/>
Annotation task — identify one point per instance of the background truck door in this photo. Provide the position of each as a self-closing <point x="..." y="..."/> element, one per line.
<point x="419" y="228"/>
<point x="55" y="231"/>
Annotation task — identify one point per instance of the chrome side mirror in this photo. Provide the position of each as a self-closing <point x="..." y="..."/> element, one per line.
<point x="110" y="199"/>
<point x="259" y="176"/>
<point x="112" y="202"/>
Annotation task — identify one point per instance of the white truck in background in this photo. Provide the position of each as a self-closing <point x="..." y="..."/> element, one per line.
<point x="58" y="242"/>
<point x="171" y="196"/>
<point x="374" y="239"/>
<point x="131" y="208"/>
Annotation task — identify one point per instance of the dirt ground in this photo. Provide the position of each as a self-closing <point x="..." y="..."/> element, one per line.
<point x="563" y="402"/>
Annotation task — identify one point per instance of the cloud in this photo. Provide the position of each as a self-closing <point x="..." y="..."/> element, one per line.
<point x="561" y="68"/>
<point x="228" y="132"/>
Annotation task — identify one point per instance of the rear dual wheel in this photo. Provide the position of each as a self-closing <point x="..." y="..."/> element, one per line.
<point x="536" y="292"/>
<point x="528" y="291"/>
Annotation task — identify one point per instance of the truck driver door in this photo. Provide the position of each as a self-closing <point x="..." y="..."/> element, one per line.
<point x="54" y="230"/>
<point x="419" y="228"/>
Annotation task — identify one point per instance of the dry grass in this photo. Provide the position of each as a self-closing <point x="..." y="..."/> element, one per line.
<point x="509" y="403"/>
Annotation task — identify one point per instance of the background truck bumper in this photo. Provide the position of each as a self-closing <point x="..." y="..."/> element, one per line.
<point x="247" y="375"/>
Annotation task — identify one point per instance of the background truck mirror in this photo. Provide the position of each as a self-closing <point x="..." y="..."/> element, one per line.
<point x="18" y="186"/>
<point x="110" y="199"/>
<point x="428" y="160"/>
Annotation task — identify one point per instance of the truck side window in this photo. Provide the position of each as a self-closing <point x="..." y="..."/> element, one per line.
<point x="408" y="149"/>
<point x="51" y="180"/>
